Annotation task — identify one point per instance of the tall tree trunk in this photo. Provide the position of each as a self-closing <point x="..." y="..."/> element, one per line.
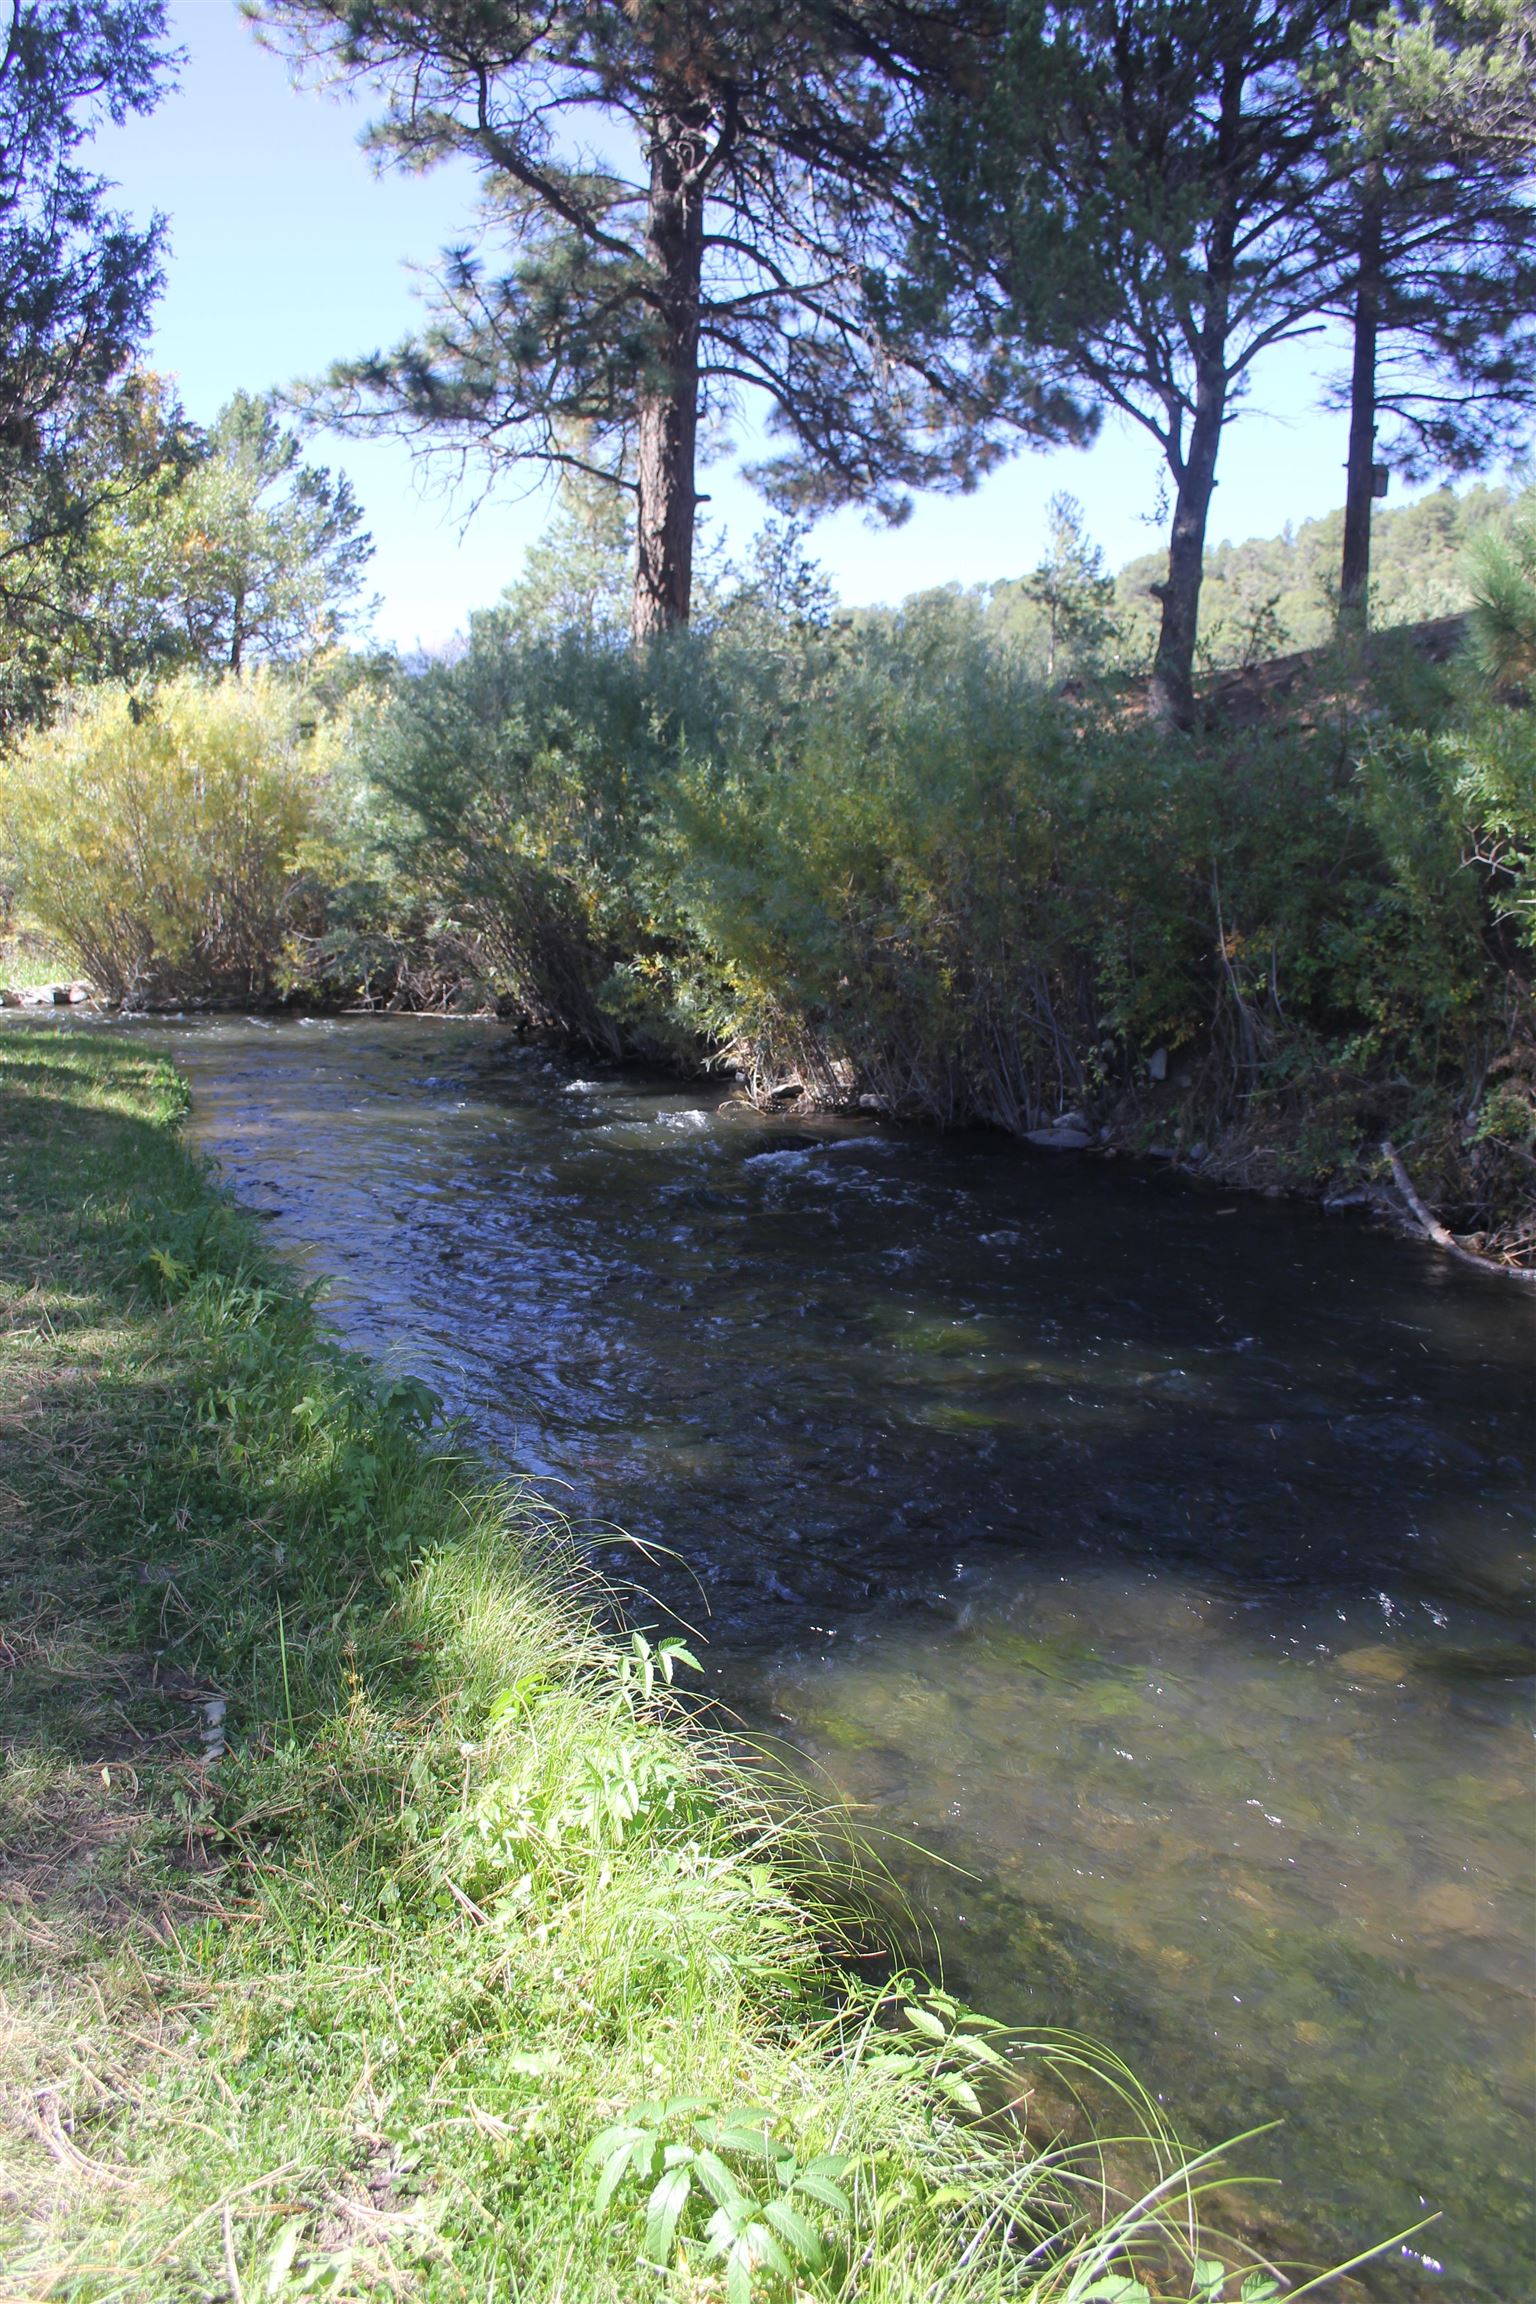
<point x="667" y="430"/>
<point x="1360" y="488"/>
<point x="1172" y="695"/>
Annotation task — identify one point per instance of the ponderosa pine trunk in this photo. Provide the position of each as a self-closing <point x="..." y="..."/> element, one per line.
<point x="667" y="428"/>
<point x="1172" y="693"/>
<point x="1360" y="486"/>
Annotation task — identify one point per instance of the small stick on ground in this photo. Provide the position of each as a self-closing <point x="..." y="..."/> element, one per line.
<point x="231" y="2268"/>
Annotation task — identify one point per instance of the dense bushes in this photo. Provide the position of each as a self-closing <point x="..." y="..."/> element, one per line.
<point x="158" y="834"/>
<point x="215" y="839"/>
<point x="519" y="781"/>
<point x="885" y="863"/>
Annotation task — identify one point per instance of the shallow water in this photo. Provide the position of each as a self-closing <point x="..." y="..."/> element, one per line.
<point x="1158" y="1558"/>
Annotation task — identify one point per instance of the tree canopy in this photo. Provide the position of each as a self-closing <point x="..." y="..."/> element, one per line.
<point x="1139" y="186"/>
<point x="1464" y="70"/>
<point x="215" y="549"/>
<point x="261" y="555"/>
<point x="76" y="277"/>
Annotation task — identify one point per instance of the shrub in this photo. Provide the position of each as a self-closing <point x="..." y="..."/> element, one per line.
<point x="882" y="861"/>
<point x="531" y="789"/>
<point x="516" y="771"/>
<point x="878" y="867"/>
<point x="156" y="832"/>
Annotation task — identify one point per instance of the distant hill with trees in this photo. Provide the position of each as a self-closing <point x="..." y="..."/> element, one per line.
<point x="1282" y="589"/>
<point x="1260" y="598"/>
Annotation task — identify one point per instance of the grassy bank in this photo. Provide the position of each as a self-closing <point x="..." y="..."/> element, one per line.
<point x="373" y="1920"/>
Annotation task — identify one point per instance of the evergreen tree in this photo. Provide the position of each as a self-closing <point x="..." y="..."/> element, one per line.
<point x="77" y="280"/>
<point x="1502" y="568"/>
<point x="575" y="578"/>
<point x="1435" y="232"/>
<point x="681" y="203"/>
<point x="1136" y="185"/>
<point x="1070" y="586"/>
<point x="1462" y="73"/>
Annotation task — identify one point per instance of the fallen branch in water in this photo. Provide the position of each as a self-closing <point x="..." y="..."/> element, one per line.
<point x="1433" y="1229"/>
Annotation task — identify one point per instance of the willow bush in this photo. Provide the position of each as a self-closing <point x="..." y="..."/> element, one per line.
<point x="517" y="779"/>
<point x="158" y="834"/>
<point x="532" y="791"/>
<point x="883" y="862"/>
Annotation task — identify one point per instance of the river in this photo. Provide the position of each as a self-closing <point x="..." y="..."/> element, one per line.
<point x="1156" y="1560"/>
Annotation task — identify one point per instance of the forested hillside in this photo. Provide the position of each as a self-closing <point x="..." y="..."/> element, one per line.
<point x="1280" y="592"/>
<point x="1262" y="597"/>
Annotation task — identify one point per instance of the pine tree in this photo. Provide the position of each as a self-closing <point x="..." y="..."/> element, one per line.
<point x="1434" y="229"/>
<point x="573" y="579"/>
<point x="1071" y="586"/>
<point x="681" y="203"/>
<point x="1458" y="72"/>
<point x="77" y="281"/>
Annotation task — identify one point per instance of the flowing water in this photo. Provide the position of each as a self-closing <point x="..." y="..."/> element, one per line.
<point x="1156" y="1559"/>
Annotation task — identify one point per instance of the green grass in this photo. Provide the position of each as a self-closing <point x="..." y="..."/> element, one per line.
<point x="471" y="1968"/>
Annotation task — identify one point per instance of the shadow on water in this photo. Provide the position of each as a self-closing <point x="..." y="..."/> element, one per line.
<point x="1158" y="1559"/>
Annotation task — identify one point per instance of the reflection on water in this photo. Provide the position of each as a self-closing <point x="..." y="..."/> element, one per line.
<point x="1154" y="1557"/>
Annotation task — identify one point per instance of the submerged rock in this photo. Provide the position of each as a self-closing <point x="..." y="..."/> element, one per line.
<point x="1059" y="1139"/>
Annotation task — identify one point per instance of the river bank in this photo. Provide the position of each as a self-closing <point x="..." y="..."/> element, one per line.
<point x="874" y="871"/>
<point x="374" y="1922"/>
<point x="1273" y="1153"/>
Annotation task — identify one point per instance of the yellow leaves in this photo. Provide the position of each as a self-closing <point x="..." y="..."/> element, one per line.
<point x="158" y="828"/>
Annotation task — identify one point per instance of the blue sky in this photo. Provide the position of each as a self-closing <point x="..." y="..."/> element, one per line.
<point x="287" y="251"/>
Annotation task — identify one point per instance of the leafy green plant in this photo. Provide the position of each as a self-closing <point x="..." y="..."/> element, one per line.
<point x="619" y="1787"/>
<point x="946" y="2044"/>
<point x="727" y="2180"/>
<point x="642" y="1668"/>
